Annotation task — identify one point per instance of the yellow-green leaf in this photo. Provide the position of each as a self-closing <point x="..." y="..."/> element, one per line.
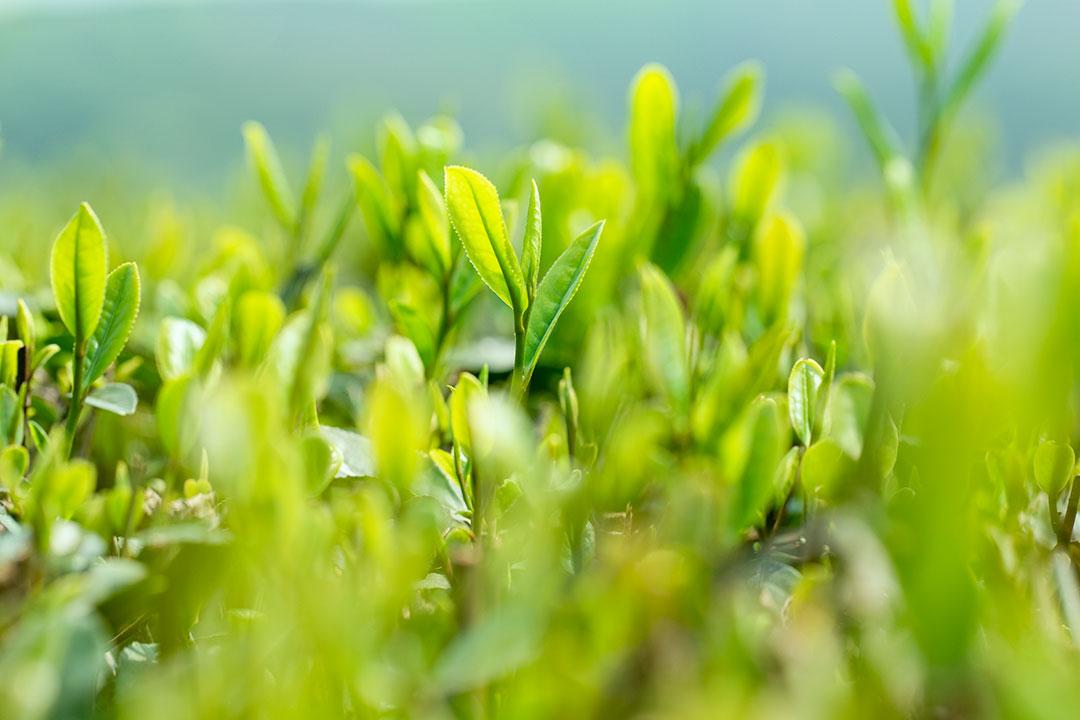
<point x="556" y="291"/>
<point x="654" y="152"/>
<point x="475" y="213"/>
<point x="77" y="271"/>
<point x="117" y="318"/>
<point x="267" y="165"/>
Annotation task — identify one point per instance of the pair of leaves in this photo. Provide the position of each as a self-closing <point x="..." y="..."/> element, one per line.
<point x="476" y="215"/>
<point x="264" y="159"/>
<point x="809" y="389"/>
<point x="98" y="311"/>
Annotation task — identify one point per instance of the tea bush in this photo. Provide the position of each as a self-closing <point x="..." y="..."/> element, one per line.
<point x="584" y="439"/>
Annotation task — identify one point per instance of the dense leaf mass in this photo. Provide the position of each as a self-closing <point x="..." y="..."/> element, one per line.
<point x="705" y="431"/>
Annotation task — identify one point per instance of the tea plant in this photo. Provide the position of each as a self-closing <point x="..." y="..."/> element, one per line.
<point x="724" y="452"/>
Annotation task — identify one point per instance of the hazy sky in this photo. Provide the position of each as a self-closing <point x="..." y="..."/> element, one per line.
<point x="170" y="83"/>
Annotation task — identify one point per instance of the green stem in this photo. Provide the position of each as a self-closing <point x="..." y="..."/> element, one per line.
<point x="1065" y="529"/>
<point x="75" y="409"/>
<point x="518" y="382"/>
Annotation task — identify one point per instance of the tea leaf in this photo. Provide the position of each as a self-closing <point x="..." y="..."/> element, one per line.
<point x="804" y="384"/>
<point x="1054" y="466"/>
<point x="258" y="318"/>
<point x="654" y="154"/>
<point x="755" y="181"/>
<point x="373" y="196"/>
<point x="556" y="290"/>
<point x="475" y="213"/>
<point x="665" y="336"/>
<point x="77" y="272"/>
<point x="738" y="108"/>
<point x="264" y="159"/>
<point x="357" y="456"/>
<point x="978" y="59"/>
<point x="121" y="306"/>
<point x="117" y="398"/>
<point x="778" y="255"/>
<point x="882" y="138"/>
<point x="532" y="244"/>
<point x="178" y="343"/>
<point x="435" y="220"/>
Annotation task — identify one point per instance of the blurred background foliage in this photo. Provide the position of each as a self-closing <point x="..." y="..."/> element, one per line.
<point x="800" y="446"/>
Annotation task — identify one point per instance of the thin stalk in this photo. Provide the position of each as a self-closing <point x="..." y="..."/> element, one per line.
<point x="519" y="382"/>
<point x="75" y="409"/>
<point x="1065" y="529"/>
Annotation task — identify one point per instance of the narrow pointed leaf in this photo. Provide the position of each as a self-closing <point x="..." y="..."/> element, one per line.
<point x="556" y="291"/>
<point x="803" y="386"/>
<point x="738" y="108"/>
<point x="665" y="336"/>
<point x="267" y="166"/>
<point x="532" y="244"/>
<point x="433" y="216"/>
<point x="122" y="295"/>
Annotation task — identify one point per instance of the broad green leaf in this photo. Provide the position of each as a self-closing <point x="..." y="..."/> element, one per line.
<point x="755" y="181"/>
<point x="11" y="415"/>
<point x="532" y="244"/>
<point x="738" y="108"/>
<point x="380" y="213"/>
<point x="436" y="224"/>
<point x="803" y="386"/>
<point x="321" y="462"/>
<point x="824" y="467"/>
<point x="217" y="337"/>
<point x="415" y="327"/>
<point x="178" y="343"/>
<point x="311" y="348"/>
<point x="420" y="248"/>
<point x="849" y="408"/>
<point x="767" y="440"/>
<point x="556" y="291"/>
<point x="117" y="398"/>
<point x="77" y="271"/>
<point x="474" y="209"/>
<point x="357" y="456"/>
<point x="501" y="642"/>
<point x="821" y="415"/>
<point x="24" y="325"/>
<point x="177" y="414"/>
<point x="14" y="462"/>
<point x="778" y="254"/>
<point x="9" y="362"/>
<point x="665" y="336"/>
<point x="122" y="297"/>
<point x="267" y="166"/>
<point x="258" y="318"/>
<point x="467" y="388"/>
<point x="1054" y="466"/>
<point x="654" y="152"/>
<point x="397" y="156"/>
<point x="402" y="361"/>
